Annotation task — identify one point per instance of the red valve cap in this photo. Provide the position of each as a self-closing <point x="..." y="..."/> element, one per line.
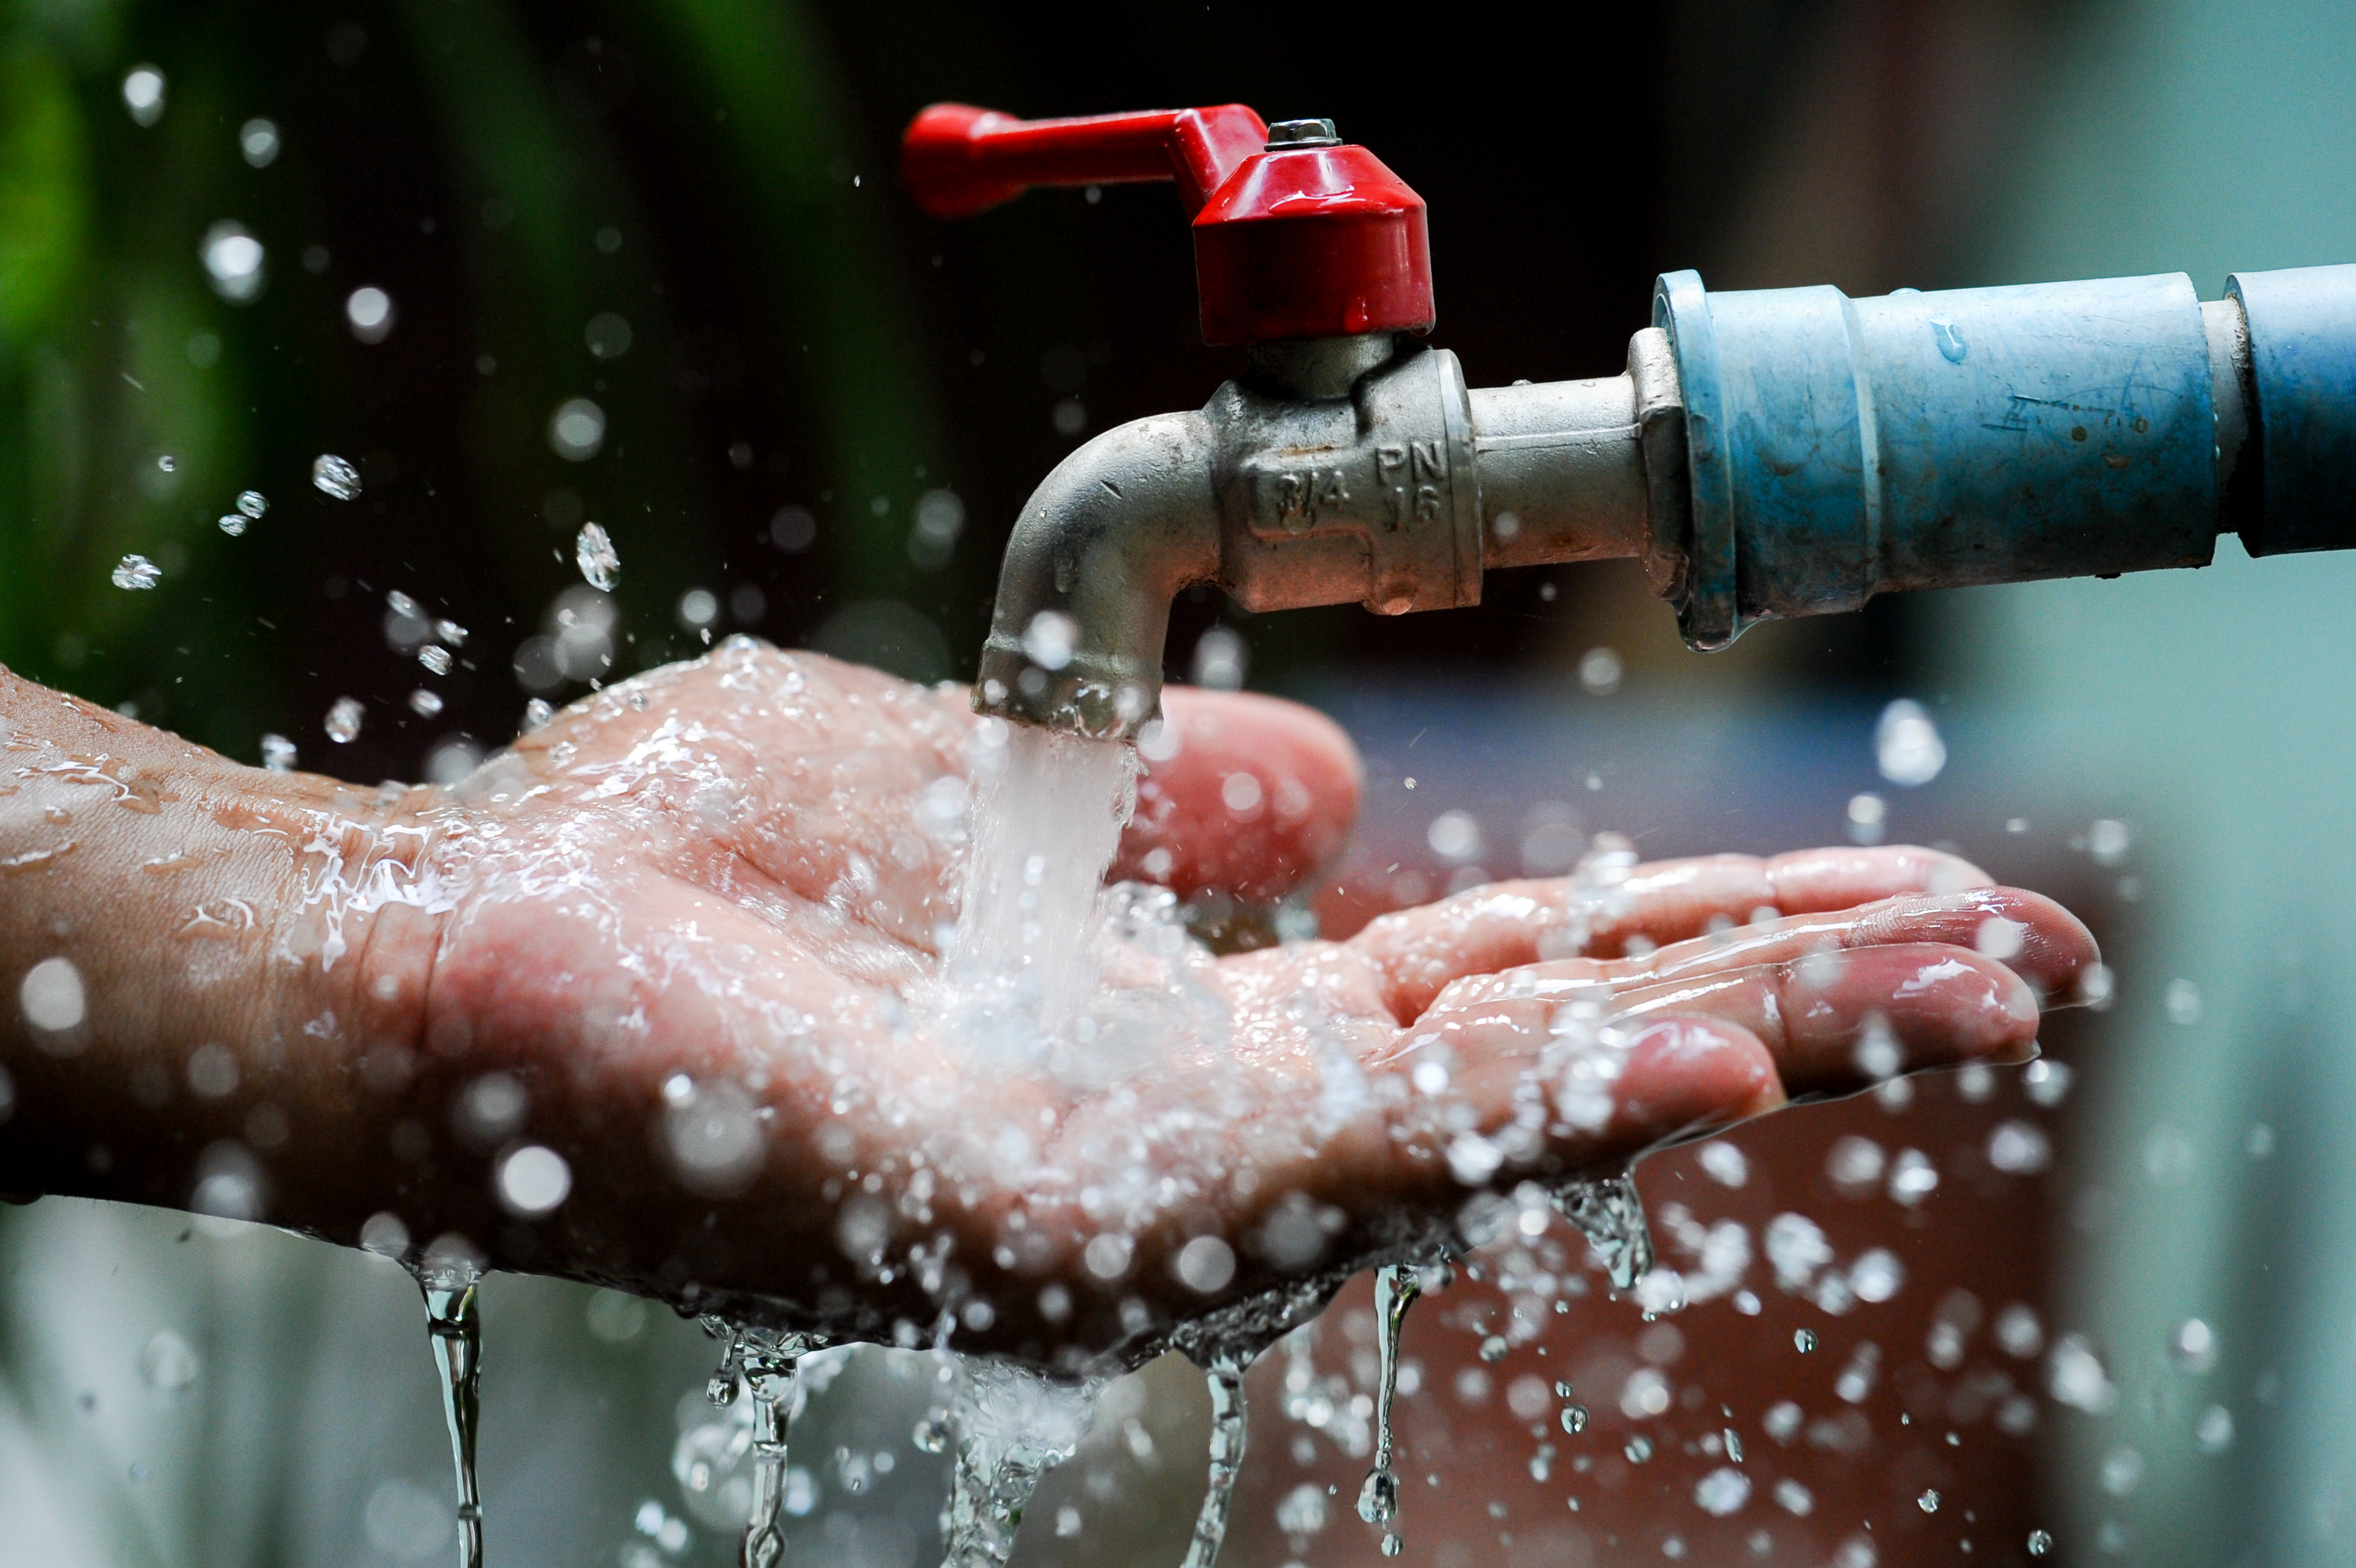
<point x="1313" y="242"/>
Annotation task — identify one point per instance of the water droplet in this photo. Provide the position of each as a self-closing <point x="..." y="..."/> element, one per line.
<point x="277" y="754"/>
<point x="1455" y="836"/>
<point x="344" y="721"/>
<point x="1638" y="1450"/>
<point x="533" y="1180"/>
<point x="576" y="431"/>
<point x="607" y="336"/>
<point x="143" y="93"/>
<point x="2214" y="1431"/>
<point x="234" y="262"/>
<point x="1492" y="1349"/>
<point x="2040" y="1543"/>
<point x="1574" y="1418"/>
<point x="1599" y="671"/>
<point x="1723" y="1492"/>
<point x="1928" y="1502"/>
<point x="2021" y="1148"/>
<point x="1303" y="1511"/>
<point x="436" y="658"/>
<point x="1220" y="660"/>
<point x="331" y="476"/>
<point x="1050" y="639"/>
<point x="1804" y="1340"/>
<point x="258" y="140"/>
<point x="234" y="523"/>
<point x="136" y="571"/>
<point x="594" y="552"/>
<point x="368" y="312"/>
<point x="1867" y="814"/>
<point x="1951" y="342"/>
<point x="1206" y="1264"/>
<point x="1906" y="745"/>
<point x="2193" y="1346"/>
<point x="168" y="1363"/>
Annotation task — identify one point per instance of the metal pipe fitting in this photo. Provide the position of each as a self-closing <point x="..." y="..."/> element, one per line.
<point x="1102" y="547"/>
<point x="1768" y="453"/>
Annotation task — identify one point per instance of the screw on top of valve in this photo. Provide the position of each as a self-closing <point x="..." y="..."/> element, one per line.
<point x="1301" y="133"/>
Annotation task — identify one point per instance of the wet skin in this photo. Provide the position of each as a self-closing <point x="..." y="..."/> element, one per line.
<point x="695" y="920"/>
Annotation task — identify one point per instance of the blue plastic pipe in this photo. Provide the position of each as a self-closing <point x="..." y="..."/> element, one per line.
<point x="1839" y="448"/>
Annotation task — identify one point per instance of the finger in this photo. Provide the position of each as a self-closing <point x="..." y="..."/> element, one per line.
<point x="1927" y="1005"/>
<point x="1257" y="794"/>
<point x="1878" y="1011"/>
<point x="1679" y="1073"/>
<point x="1509" y="924"/>
<point x="2033" y="935"/>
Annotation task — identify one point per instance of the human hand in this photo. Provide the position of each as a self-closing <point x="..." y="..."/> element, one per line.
<point x="685" y="938"/>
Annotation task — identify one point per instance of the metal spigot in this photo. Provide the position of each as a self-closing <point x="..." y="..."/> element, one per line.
<point x="1348" y="463"/>
<point x="1766" y="454"/>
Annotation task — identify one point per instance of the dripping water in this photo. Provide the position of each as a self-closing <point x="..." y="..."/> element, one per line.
<point x="1012" y="1425"/>
<point x="722" y="1390"/>
<point x="1228" y="1432"/>
<point x="1611" y="1215"/>
<point x="1396" y="1287"/>
<point x="454" y="1326"/>
<point x="771" y="1369"/>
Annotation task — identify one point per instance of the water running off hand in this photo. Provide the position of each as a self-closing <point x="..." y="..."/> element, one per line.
<point x="1396" y="1287"/>
<point x="455" y="1324"/>
<point x="1227" y="1431"/>
<point x="769" y="1364"/>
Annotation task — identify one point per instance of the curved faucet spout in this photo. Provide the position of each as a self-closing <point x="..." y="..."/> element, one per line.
<point x="1102" y="547"/>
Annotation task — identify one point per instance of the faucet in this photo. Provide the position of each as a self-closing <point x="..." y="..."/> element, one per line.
<point x="1765" y="453"/>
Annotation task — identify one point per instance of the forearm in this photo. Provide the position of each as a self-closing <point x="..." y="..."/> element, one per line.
<point x="163" y="983"/>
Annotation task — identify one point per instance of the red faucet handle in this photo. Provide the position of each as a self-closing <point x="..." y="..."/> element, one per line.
<point x="960" y="160"/>
<point x="1296" y="234"/>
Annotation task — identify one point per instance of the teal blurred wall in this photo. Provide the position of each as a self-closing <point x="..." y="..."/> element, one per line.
<point x="2215" y="711"/>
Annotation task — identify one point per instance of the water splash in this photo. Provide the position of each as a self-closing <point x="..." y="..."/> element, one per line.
<point x="1228" y="1430"/>
<point x="1396" y="1285"/>
<point x="1012" y="1424"/>
<point x="1611" y="1215"/>
<point x="454" y="1325"/>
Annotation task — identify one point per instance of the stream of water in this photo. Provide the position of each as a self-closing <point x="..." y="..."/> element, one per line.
<point x="1047" y="819"/>
<point x="454" y="1326"/>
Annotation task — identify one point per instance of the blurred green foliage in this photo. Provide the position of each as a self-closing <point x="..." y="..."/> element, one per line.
<point x="506" y="173"/>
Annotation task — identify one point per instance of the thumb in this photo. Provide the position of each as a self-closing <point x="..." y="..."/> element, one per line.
<point x="1241" y="794"/>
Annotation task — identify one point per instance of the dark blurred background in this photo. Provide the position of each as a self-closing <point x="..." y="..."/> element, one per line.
<point x="689" y="215"/>
<point x="649" y="265"/>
